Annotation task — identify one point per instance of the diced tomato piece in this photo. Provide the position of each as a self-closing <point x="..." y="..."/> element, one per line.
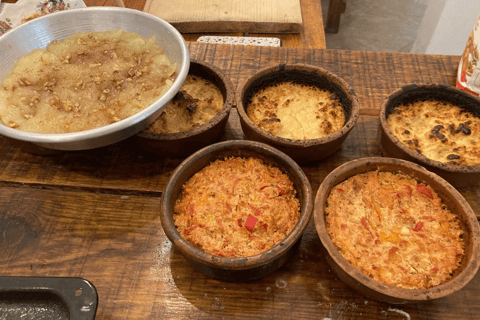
<point x="426" y="191"/>
<point x="343" y="226"/>
<point x="435" y="269"/>
<point x="403" y="243"/>
<point x="229" y="208"/>
<point x="240" y="224"/>
<point x="418" y="227"/>
<point x="250" y="223"/>
<point x="364" y="223"/>
<point x="399" y="195"/>
<point x="374" y="267"/>
<point x="256" y="211"/>
<point x="377" y="241"/>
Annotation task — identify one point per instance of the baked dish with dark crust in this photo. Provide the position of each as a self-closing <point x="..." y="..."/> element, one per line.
<point x="439" y="130"/>
<point x="296" y="111"/>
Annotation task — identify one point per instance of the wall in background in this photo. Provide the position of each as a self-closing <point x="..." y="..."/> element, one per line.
<point x="445" y="26"/>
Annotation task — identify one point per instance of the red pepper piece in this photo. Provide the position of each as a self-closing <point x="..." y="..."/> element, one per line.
<point x="426" y="191"/>
<point x="374" y="267"/>
<point x="190" y="230"/>
<point x="393" y="249"/>
<point x="263" y="188"/>
<point x="250" y="223"/>
<point x="281" y="192"/>
<point x="340" y="189"/>
<point x="409" y="191"/>
<point x="364" y="223"/>
<point x="418" y="227"/>
<point x="191" y="208"/>
<point x="264" y="225"/>
<point x="240" y="224"/>
<point x="256" y="211"/>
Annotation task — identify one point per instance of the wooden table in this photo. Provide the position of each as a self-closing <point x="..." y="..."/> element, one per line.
<point x="95" y="214"/>
<point x="312" y="35"/>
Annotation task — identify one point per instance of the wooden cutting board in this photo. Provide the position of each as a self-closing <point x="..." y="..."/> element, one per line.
<point x="252" y="16"/>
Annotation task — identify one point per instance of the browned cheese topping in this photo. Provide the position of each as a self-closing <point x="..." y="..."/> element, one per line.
<point x="87" y="81"/>
<point x="237" y="207"/>
<point x="440" y="131"/>
<point x="198" y="101"/>
<point x="395" y="230"/>
<point x="296" y="111"/>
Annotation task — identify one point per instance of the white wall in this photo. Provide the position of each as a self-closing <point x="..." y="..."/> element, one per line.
<point x="446" y="26"/>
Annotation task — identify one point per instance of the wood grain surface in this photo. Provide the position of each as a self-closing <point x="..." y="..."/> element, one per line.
<point x="253" y="16"/>
<point x="311" y="34"/>
<point x="95" y="214"/>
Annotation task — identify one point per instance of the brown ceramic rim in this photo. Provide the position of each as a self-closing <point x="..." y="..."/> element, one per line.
<point x="316" y="76"/>
<point x="205" y="156"/>
<point x="209" y="72"/>
<point x="376" y="290"/>
<point x="412" y="93"/>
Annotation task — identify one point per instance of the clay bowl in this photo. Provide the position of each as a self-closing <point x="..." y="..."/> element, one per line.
<point x="459" y="176"/>
<point x="372" y="288"/>
<point x="246" y="268"/>
<point x="302" y="151"/>
<point x="183" y="144"/>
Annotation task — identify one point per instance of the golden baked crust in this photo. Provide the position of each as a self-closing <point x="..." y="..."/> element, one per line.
<point x="237" y="207"/>
<point x="394" y="229"/>
<point x="198" y="101"/>
<point x="296" y="111"/>
<point x="83" y="82"/>
<point x="439" y="130"/>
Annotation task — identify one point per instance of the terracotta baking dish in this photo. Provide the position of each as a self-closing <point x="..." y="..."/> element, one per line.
<point x="245" y="268"/>
<point x="182" y="144"/>
<point x="372" y="288"/>
<point x="302" y="151"/>
<point x="457" y="175"/>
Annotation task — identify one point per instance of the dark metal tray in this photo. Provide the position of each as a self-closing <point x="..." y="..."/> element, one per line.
<point x="47" y="298"/>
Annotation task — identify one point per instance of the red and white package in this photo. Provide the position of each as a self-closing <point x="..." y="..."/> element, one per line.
<point x="468" y="75"/>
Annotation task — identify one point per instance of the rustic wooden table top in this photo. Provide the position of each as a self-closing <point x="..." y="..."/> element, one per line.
<point x="312" y="35"/>
<point x="95" y="214"/>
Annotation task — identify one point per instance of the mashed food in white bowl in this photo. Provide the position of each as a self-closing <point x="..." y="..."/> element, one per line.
<point x="88" y="80"/>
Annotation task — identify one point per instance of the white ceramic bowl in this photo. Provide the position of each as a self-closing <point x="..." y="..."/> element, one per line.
<point x="38" y="33"/>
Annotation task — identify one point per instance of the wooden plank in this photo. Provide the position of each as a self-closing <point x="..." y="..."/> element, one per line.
<point x="311" y="35"/>
<point x="196" y="16"/>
